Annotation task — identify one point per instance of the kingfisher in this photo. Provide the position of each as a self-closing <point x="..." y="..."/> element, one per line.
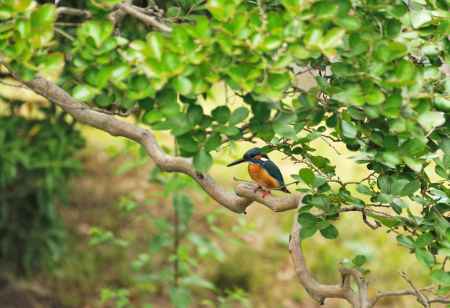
<point x="263" y="171"/>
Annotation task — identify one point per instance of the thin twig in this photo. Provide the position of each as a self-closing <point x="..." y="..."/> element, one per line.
<point x="421" y="298"/>
<point x="62" y="10"/>
<point x="65" y="34"/>
<point x="374" y="225"/>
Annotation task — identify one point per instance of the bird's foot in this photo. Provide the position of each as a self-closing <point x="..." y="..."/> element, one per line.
<point x="257" y="188"/>
<point x="265" y="193"/>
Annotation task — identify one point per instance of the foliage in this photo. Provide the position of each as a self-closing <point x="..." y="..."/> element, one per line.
<point x="36" y="161"/>
<point x="380" y="89"/>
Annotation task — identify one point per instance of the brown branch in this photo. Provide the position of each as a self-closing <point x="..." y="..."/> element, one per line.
<point x="236" y="202"/>
<point x="421" y="298"/>
<point x="409" y="292"/>
<point x="315" y="289"/>
<point x="62" y="10"/>
<point x="146" y="19"/>
<point x="372" y="226"/>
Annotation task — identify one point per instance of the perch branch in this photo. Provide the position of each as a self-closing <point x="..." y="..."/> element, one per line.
<point x="236" y="202"/>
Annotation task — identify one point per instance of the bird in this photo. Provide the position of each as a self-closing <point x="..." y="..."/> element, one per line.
<point x="263" y="171"/>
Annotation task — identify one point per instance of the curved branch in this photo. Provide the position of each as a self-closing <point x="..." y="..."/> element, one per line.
<point x="236" y="202"/>
<point x="314" y="288"/>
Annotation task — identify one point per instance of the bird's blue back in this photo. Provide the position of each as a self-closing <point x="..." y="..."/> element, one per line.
<point x="272" y="169"/>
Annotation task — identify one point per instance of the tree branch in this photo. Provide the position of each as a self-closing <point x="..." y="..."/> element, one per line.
<point x="236" y="202"/>
<point x="317" y="290"/>
<point x="62" y="10"/>
<point x="146" y="19"/>
<point x="381" y="295"/>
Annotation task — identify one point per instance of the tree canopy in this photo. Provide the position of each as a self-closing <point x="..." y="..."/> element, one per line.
<point x="382" y="88"/>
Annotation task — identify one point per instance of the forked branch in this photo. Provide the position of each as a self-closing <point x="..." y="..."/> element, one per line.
<point x="358" y="297"/>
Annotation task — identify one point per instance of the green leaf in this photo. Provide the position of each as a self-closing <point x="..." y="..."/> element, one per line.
<point x="364" y="189"/>
<point x="405" y="72"/>
<point x="329" y="232"/>
<point x="307" y="176"/>
<point x="195" y="114"/>
<point x="98" y="30"/>
<point x="424" y="257"/>
<point x="308" y="220"/>
<point x="306" y="232"/>
<point x="411" y="188"/>
<point x="197" y="281"/>
<point x="387" y="51"/>
<point x="444" y="252"/>
<point x="43" y="17"/>
<point x="442" y="103"/>
<point x="374" y="97"/>
<point x="282" y="125"/>
<point x="187" y="143"/>
<point x="238" y="115"/>
<point x="385" y="183"/>
<point x="120" y="71"/>
<point x="397" y="185"/>
<point x="180" y="297"/>
<point x="440" y="277"/>
<point x="155" y="42"/>
<point x="222" y="9"/>
<point x="351" y="95"/>
<point x="325" y="9"/>
<point x="429" y="120"/>
<point x="351" y="23"/>
<point x="183" y="207"/>
<point x="294" y="6"/>
<point x="153" y="116"/>
<point x="348" y="130"/>
<point x="420" y="17"/>
<point x="406" y="241"/>
<point x="393" y="105"/>
<point x="203" y="161"/>
<point x="332" y="39"/>
<point x="424" y="240"/>
<point x="213" y="142"/>
<point x="221" y="114"/>
<point x="182" y="85"/>
<point x="84" y="93"/>
<point x="359" y="260"/>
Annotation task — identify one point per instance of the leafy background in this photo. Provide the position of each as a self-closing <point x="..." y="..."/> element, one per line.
<point x="235" y="70"/>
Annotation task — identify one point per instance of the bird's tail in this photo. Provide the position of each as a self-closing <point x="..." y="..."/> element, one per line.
<point x="285" y="189"/>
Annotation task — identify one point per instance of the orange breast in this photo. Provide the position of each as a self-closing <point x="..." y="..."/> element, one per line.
<point x="261" y="176"/>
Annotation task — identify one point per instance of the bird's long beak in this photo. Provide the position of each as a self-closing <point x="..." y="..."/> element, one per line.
<point x="243" y="160"/>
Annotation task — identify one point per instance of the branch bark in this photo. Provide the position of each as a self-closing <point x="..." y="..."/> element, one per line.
<point x="146" y="19"/>
<point x="317" y="290"/>
<point x="62" y="10"/>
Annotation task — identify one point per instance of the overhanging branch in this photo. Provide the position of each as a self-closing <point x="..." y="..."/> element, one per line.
<point x="235" y="201"/>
